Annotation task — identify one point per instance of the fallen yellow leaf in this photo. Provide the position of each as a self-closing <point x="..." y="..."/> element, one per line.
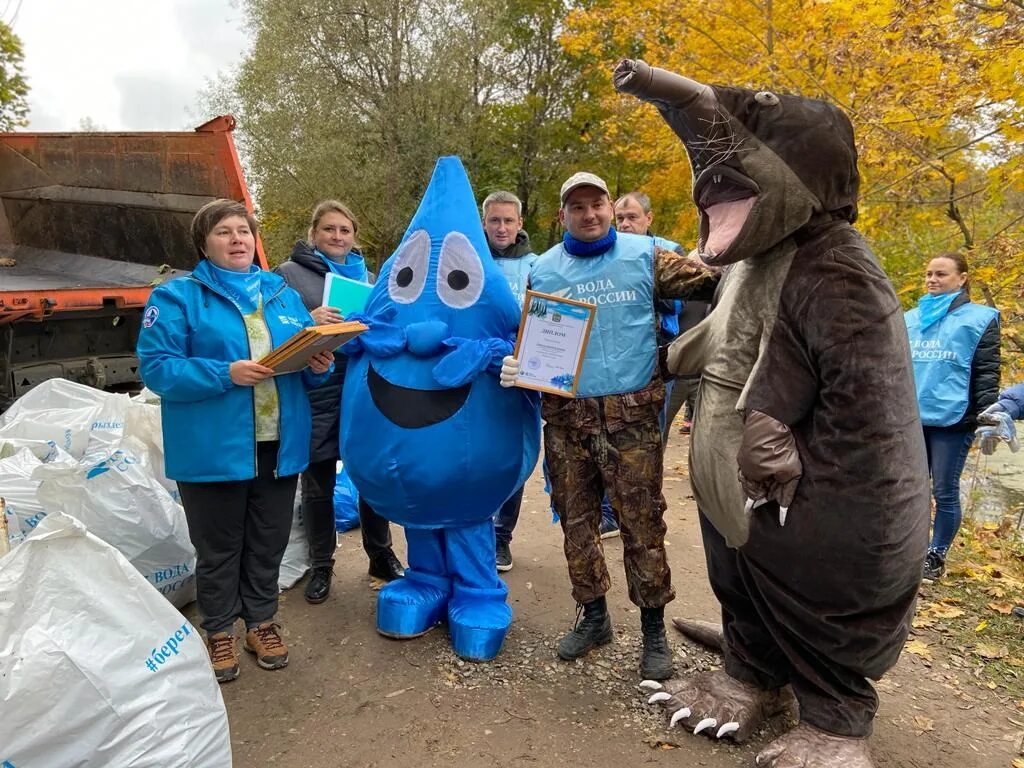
<point x="981" y="625"/>
<point x="990" y="651"/>
<point x="922" y="622"/>
<point x="918" y="648"/>
<point x="941" y="611"/>
<point x="1018" y="763"/>
<point x="1003" y="608"/>
<point x="924" y="723"/>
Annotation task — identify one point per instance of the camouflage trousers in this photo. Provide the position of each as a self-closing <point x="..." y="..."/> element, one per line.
<point x="627" y="464"/>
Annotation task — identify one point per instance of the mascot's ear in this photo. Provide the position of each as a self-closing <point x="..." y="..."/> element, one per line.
<point x="766" y="99"/>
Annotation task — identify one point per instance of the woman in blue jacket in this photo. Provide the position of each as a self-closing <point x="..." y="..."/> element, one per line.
<point x="235" y="438"/>
<point x="955" y="348"/>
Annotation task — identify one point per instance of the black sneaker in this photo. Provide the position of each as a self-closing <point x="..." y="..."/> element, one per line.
<point x="503" y="556"/>
<point x="319" y="585"/>
<point x="934" y="566"/>
<point x="386" y="566"/>
<point x="609" y="529"/>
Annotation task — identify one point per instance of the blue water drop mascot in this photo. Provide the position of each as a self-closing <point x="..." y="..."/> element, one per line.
<point x="430" y="438"/>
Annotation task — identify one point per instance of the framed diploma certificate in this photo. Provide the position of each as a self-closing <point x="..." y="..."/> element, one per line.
<point x="552" y="339"/>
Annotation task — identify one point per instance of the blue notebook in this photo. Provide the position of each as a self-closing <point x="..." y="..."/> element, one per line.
<point x="344" y="294"/>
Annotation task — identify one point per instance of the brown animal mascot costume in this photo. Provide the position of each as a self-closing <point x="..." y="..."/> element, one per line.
<point x="807" y="457"/>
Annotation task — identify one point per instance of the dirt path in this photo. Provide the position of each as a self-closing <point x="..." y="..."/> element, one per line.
<point x="353" y="698"/>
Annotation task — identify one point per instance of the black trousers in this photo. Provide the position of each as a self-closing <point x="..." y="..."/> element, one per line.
<point x="766" y="648"/>
<point x="240" y="531"/>
<point x="318" y="514"/>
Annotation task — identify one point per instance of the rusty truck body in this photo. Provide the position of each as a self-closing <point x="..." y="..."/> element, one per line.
<point x="89" y="223"/>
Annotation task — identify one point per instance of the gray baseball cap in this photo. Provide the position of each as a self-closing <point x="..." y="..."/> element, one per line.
<point x="582" y="179"/>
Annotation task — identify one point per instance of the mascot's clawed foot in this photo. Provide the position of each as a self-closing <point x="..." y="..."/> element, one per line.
<point x="807" y="747"/>
<point x="717" y="704"/>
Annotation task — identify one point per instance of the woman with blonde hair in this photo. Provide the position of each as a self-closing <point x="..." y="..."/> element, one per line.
<point x="330" y="247"/>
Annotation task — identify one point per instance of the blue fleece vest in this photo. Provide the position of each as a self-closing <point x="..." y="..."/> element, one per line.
<point x="517" y="271"/>
<point x="942" y="355"/>
<point x="622" y="349"/>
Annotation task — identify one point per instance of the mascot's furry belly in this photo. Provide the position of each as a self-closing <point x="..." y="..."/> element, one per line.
<point x="726" y="347"/>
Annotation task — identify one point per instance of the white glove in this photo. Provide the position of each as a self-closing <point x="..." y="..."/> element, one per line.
<point x="998" y="427"/>
<point x="509" y="371"/>
<point x="990" y="415"/>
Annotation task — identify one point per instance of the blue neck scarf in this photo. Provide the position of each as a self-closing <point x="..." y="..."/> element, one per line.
<point x="243" y="288"/>
<point x="933" y="308"/>
<point x="594" y="248"/>
<point x="354" y="267"/>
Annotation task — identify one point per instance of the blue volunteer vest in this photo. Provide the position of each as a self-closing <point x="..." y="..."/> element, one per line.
<point x="516" y="271"/>
<point x="942" y="356"/>
<point x="622" y="349"/>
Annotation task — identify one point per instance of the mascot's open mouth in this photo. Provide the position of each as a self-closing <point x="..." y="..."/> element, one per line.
<point x="725" y="198"/>
<point x="414" y="408"/>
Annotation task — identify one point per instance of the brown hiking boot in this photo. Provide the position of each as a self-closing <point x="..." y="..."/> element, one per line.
<point x="265" y="641"/>
<point x="223" y="656"/>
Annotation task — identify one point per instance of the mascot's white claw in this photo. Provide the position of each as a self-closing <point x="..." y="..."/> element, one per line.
<point x="650" y="685"/>
<point x="752" y="505"/>
<point x="680" y="714"/>
<point x="707" y="722"/>
<point x="659" y="696"/>
<point x="727" y="729"/>
<point x="783" y="511"/>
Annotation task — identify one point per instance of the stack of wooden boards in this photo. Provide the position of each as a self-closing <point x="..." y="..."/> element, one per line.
<point x="294" y="354"/>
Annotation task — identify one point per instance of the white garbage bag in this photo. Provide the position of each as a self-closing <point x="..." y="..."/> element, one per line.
<point x="18" y="489"/>
<point x="142" y="421"/>
<point x="119" y="500"/>
<point x="96" y="669"/>
<point x="295" y="562"/>
<point x="74" y="416"/>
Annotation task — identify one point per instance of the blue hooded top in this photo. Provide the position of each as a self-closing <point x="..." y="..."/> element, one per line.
<point x="429" y="437"/>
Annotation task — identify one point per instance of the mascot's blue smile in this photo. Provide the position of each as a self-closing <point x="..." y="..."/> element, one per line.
<point x="411" y="408"/>
<point x="429" y="437"/>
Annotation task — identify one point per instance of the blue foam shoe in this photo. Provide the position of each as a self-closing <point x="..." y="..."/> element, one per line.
<point x="411" y="607"/>
<point x="478" y="626"/>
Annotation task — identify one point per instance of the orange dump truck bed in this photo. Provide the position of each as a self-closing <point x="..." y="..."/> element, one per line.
<point x="89" y="223"/>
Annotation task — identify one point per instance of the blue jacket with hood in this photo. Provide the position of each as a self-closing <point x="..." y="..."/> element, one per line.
<point x="191" y="333"/>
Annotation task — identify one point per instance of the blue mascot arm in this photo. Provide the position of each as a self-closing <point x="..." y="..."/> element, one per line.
<point x="469" y="358"/>
<point x="382" y="339"/>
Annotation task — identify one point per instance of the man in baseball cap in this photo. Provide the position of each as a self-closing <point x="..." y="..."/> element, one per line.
<point x="582" y="179"/>
<point x="606" y="439"/>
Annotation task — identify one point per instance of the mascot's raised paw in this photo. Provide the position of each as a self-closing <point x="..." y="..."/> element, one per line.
<point x="807" y="747"/>
<point x="717" y="705"/>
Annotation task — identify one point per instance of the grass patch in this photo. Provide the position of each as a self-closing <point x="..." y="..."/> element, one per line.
<point x="964" y="621"/>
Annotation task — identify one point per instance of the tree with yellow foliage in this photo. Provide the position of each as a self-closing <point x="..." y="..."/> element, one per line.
<point x="933" y="87"/>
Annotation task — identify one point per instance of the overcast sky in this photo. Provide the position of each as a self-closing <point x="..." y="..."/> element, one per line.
<point x="126" y="64"/>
